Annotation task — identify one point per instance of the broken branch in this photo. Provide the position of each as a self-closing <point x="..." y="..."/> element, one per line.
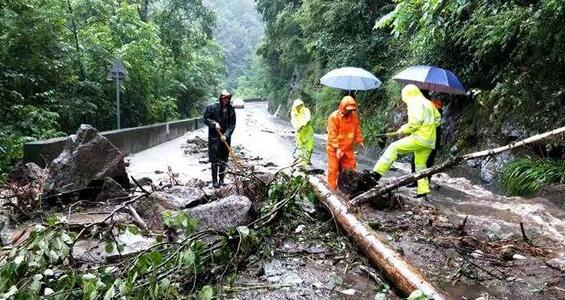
<point x="407" y="179"/>
<point x="526" y="239"/>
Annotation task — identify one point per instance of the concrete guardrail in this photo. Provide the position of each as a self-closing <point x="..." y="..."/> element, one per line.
<point x="129" y="140"/>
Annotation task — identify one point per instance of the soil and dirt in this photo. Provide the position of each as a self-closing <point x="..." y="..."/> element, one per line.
<point x="464" y="256"/>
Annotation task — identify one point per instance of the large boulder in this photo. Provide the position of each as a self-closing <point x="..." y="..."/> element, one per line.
<point x="86" y="160"/>
<point x="186" y="196"/>
<point x="225" y="213"/>
<point x="178" y="197"/>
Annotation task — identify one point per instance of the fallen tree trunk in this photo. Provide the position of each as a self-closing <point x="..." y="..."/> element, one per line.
<point x="403" y="276"/>
<point x="407" y="179"/>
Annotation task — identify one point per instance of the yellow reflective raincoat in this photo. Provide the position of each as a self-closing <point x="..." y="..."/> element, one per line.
<point x="423" y="118"/>
<point x="300" y="118"/>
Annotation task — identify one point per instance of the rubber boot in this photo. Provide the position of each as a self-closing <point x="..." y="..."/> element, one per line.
<point x="215" y="175"/>
<point x="222" y="167"/>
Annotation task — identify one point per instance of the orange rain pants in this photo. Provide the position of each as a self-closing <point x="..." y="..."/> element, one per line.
<point x="344" y="131"/>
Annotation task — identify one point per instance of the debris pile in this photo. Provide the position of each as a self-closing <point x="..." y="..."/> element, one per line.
<point x="463" y="252"/>
<point x="99" y="235"/>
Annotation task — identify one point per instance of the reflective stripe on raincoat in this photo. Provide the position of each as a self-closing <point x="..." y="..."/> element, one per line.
<point x="423" y="117"/>
<point x="300" y="118"/>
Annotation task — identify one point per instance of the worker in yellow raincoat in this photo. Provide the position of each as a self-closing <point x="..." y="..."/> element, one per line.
<point x="419" y="136"/>
<point x="304" y="132"/>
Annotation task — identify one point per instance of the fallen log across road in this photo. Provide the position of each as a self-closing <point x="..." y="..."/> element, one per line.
<point x="405" y="277"/>
<point x="380" y="190"/>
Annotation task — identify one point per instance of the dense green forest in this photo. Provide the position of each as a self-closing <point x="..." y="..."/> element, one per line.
<point x="508" y="53"/>
<point x="55" y="55"/>
<point x="239" y="30"/>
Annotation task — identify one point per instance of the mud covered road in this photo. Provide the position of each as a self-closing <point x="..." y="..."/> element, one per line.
<point x="485" y="256"/>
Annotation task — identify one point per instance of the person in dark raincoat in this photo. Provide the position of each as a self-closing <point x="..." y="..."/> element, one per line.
<point x="219" y="117"/>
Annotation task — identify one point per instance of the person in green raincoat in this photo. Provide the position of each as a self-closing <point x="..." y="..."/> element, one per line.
<point x="419" y="136"/>
<point x="304" y="132"/>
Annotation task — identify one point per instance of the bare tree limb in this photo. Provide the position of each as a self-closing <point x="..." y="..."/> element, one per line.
<point x="452" y="162"/>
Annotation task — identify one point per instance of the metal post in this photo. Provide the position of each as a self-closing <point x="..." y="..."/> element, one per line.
<point x="118" y="100"/>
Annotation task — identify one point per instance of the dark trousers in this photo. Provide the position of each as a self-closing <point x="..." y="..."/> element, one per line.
<point x="218" y="168"/>
<point x="432" y="157"/>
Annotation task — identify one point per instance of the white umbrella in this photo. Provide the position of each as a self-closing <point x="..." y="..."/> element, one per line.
<point x="350" y="79"/>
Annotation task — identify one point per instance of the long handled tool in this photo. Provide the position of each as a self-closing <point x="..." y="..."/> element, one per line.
<point x="381" y="142"/>
<point x="230" y="150"/>
<point x="388" y="134"/>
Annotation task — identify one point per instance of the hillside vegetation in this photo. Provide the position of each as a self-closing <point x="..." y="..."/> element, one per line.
<point x="55" y="56"/>
<point x="507" y="53"/>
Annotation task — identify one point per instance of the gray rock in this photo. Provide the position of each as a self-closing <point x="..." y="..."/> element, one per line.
<point x="111" y="190"/>
<point x="4" y="228"/>
<point x="398" y="118"/>
<point x="195" y="182"/>
<point x="513" y="130"/>
<point x="557" y="263"/>
<point x="491" y="167"/>
<point x="554" y="193"/>
<point x="87" y="157"/>
<point x="473" y="163"/>
<point x="223" y="214"/>
<point x="94" y="251"/>
<point x="26" y="173"/>
<point x="179" y="197"/>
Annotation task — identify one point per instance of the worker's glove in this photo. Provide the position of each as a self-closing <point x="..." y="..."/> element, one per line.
<point x="338" y="153"/>
<point x="223" y="137"/>
<point x="218" y="125"/>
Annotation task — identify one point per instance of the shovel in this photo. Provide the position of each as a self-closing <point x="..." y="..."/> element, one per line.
<point x="230" y="150"/>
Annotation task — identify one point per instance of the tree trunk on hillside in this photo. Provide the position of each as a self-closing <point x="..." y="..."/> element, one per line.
<point x="402" y="274"/>
<point x="407" y="179"/>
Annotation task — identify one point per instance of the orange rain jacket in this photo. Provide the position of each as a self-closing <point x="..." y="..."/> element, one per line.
<point x="343" y="133"/>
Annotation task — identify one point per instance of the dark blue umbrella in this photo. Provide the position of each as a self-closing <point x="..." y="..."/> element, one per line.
<point x="432" y="79"/>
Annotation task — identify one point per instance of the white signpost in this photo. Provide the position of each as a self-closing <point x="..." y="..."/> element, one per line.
<point x="117" y="72"/>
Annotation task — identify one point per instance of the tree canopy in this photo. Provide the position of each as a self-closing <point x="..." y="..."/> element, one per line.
<point x="55" y="56"/>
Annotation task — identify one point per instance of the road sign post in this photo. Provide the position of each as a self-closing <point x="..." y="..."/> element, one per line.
<point x="117" y="72"/>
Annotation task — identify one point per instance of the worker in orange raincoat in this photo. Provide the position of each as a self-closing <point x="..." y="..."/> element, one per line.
<point x="344" y="131"/>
